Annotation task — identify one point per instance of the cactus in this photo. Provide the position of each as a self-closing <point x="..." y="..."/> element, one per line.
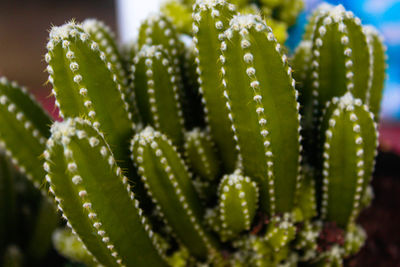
<point x="377" y="68"/>
<point x="87" y="196"/>
<point x="349" y="128"/>
<point x="238" y="197"/>
<point x="200" y="154"/>
<point x="143" y="177"/>
<point x="280" y="14"/>
<point x="210" y="20"/>
<point x="267" y="139"/>
<point x="26" y="121"/>
<point x="169" y="184"/>
<point x="72" y="54"/>
<point x="156" y="90"/>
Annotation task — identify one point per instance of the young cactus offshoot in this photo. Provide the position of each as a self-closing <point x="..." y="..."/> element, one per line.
<point x="350" y="146"/>
<point x="230" y="188"/>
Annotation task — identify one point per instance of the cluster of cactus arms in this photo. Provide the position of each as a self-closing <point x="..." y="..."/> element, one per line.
<point x="279" y="14"/>
<point x="226" y="152"/>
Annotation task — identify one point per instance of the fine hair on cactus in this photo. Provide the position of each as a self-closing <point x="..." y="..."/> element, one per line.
<point x="226" y="151"/>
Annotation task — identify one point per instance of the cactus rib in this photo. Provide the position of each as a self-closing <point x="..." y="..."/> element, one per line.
<point x="211" y="18"/>
<point x="156" y="89"/>
<point x="28" y="127"/>
<point x="85" y="85"/>
<point x="349" y="130"/>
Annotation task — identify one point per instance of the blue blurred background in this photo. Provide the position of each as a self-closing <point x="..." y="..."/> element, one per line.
<point x="384" y="15"/>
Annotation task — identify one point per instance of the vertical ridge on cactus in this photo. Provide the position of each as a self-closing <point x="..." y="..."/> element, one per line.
<point x="377" y="53"/>
<point x="350" y="130"/>
<point x="341" y="58"/>
<point x="211" y="18"/>
<point x="200" y="154"/>
<point x="88" y="186"/>
<point x="27" y="124"/>
<point x="169" y="184"/>
<point x="267" y="139"/>
<point x="238" y="201"/>
<point x="157" y="91"/>
<point x="105" y="38"/>
<point x="85" y="84"/>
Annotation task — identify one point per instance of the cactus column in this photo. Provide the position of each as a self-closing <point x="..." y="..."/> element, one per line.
<point x="95" y="197"/>
<point x="211" y="18"/>
<point x="263" y="110"/>
<point x="350" y="136"/>
<point x="169" y="184"/>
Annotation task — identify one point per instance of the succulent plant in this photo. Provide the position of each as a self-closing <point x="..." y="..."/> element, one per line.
<point x="279" y="14"/>
<point x="142" y="178"/>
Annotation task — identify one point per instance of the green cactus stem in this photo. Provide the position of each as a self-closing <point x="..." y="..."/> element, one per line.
<point x="211" y="18"/>
<point x="377" y="53"/>
<point x="348" y="158"/>
<point x="105" y="38"/>
<point x="95" y="198"/>
<point x="169" y="184"/>
<point x="157" y="91"/>
<point x="157" y="29"/>
<point x="86" y="85"/>
<point x="25" y="129"/>
<point x="200" y="154"/>
<point x="238" y="201"/>
<point x="307" y="202"/>
<point x="340" y="59"/>
<point x="263" y="110"/>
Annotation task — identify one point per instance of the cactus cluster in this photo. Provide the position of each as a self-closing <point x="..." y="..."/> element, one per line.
<point x="279" y="14"/>
<point x="272" y="171"/>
